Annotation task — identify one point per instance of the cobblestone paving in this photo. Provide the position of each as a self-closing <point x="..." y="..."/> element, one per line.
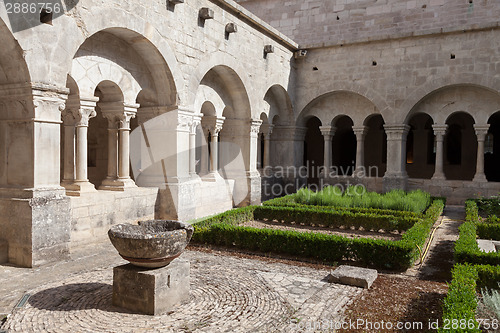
<point x="228" y="294"/>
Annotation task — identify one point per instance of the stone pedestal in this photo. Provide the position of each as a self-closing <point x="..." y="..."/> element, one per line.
<point x="151" y="291"/>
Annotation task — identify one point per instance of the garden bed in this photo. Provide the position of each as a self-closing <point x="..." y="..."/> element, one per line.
<point x="225" y="230"/>
<point x="342" y="231"/>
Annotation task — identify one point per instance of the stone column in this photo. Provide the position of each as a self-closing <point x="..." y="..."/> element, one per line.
<point x="360" y="133"/>
<point x="110" y="182"/>
<point x="204" y="152"/>
<point x="328" y="132"/>
<point x="192" y="145"/>
<point x="481" y="132"/>
<point x="255" y="125"/>
<point x="395" y="176"/>
<point x="69" y="122"/>
<point x="439" y="132"/>
<point x="85" y="112"/>
<point x="267" y="146"/>
<point x="129" y="112"/>
<point x="214" y="126"/>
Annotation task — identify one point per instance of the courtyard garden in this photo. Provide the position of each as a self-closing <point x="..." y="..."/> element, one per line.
<point x="390" y="232"/>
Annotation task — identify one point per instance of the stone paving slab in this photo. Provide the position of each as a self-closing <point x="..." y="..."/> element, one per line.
<point x="353" y="276"/>
<point x="228" y="294"/>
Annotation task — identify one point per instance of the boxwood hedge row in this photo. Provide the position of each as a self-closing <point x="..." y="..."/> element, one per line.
<point x="466" y="248"/>
<point x="459" y="306"/>
<point x="223" y="230"/>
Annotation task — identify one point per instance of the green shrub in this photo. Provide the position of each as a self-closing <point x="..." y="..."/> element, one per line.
<point x="287" y="202"/>
<point x="223" y="230"/>
<point x="459" y="306"/>
<point x="493" y="219"/>
<point x="466" y="248"/>
<point x="310" y="215"/>
<point x="488" y="231"/>
<point x="489" y="206"/>
<point x="354" y="196"/>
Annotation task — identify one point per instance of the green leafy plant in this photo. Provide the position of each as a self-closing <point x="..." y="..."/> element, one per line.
<point x="491" y="299"/>
<point x="354" y="196"/>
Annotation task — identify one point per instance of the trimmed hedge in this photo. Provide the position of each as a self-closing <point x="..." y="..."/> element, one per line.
<point x="331" y="218"/>
<point x="287" y="202"/>
<point x="488" y="231"/>
<point x="466" y="248"/>
<point x="461" y="302"/>
<point x="223" y="230"/>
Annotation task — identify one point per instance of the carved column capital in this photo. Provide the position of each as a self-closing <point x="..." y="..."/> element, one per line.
<point x="327" y="131"/>
<point x="439" y="130"/>
<point x="396" y="132"/>
<point x="481" y="131"/>
<point x="86" y="110"/>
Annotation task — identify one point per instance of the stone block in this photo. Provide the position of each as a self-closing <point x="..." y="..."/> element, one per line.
<point x="151" y="291"/>
<point x="353" y="276"/>
<point x="486" y="245"/>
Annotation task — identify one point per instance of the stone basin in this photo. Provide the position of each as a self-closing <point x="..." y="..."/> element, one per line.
<point x="153" y="243"/>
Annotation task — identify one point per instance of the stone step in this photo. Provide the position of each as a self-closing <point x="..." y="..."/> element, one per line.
<point x="353" y="276"/>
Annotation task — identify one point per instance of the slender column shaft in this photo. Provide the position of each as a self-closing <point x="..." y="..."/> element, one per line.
<point x="69" y="154"/>
<point x="81" y="153"/>
<point x="192" y="153"/>
<point x="481" y="132"/>
<point x="124" y="154"/>
<point x="360" y="133"/>
<point x="214" y="152"/>
<point x="204" y="154"/>
<point x="439" y="132"/>
<point x="112" y="153"/>
<point x="267" y="150"/>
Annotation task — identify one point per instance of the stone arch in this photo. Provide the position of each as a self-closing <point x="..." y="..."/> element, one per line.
<point x="336" y="103"/>
<point x="208" y="94"/>
<point x="420" y="149"/>
<point x="480" y="81"/>
<point x="375" y="146"/>
<point x="367" y="93"/>
<point x="278" y="103"/>
<point x="492" y="149"/>
<point x="144" y="38"/>
<point x="230" y="71"/>
<point x="313" y="149"/>
<point x="344" y="145"/>
<point x="460" y="147"/>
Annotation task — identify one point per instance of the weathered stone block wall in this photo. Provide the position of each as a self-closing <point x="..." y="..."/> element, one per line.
<point x="93" y="214"/>
<point x="396" y="74"/>
<point x="330" y="22"/>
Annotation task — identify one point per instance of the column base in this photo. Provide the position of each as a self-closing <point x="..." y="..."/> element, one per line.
<point x="211" y="177"/>
<point x="480" y="178"/>
<point x="394" y="182"/>
<point x="78" y="188"/>
<point x="438" y="177"/>
<point x="117" y="184"/>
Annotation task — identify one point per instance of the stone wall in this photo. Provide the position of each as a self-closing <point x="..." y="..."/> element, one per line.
<point x="93" y="214"/>
<point x="317" y="23"/>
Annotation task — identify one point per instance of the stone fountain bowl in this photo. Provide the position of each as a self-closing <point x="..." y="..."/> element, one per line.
<point x="153" y="243"/>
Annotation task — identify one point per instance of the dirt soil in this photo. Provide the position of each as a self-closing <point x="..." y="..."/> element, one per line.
<point x="412" y="298"/>
<point x="349" y="233"/>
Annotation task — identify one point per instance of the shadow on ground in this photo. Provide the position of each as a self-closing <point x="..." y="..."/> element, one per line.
<point x="76" y="296"/>
<point x="422" y="311"/>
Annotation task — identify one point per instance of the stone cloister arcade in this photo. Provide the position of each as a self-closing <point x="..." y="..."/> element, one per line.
<point x="449" y="135"/>
<point x="113" y="114"/>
